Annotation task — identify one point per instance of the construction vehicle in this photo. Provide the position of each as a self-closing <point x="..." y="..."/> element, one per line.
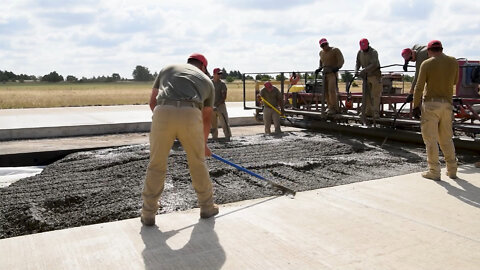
<point x="305" y="106"/>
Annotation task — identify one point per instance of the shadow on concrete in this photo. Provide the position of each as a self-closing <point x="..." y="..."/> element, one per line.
<point x="468" y="169"/>
<point x="468" y="193"/>
<point x="202" y="251"/>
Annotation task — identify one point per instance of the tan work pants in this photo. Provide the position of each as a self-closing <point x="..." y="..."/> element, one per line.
<point x="436" y="124"/>
<point x="268" y="115"/>
<point x="372" y="96"/>
<point x="185" y="124"/>
<point x="222" y="114"/>
<point x="331" y="92"/>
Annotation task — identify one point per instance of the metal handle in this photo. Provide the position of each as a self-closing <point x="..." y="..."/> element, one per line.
<point x="237" y="166"/>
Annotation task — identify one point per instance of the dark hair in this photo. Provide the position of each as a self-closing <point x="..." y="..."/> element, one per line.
<point x="195" y="62"/>
<point x="294" y="74"/>
<point x="436" y="49"/>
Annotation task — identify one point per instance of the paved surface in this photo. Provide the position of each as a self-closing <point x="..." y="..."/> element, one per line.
<point x="18" y="124"/>
<point x="403" y="222"/>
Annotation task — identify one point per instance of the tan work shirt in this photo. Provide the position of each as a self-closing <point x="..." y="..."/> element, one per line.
<point x="220" y="92"/>
<point x="184" y="82"/>
<point x="440" y="73"/>
<point x="369" y="61"/>
<point x="422" y="55"/>
<point x="273" y="97"/>
<point x="331" y="58"/>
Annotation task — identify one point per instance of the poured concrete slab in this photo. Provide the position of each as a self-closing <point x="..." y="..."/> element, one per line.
<point x="403" y="222"/>
<point x="38" y="123"/>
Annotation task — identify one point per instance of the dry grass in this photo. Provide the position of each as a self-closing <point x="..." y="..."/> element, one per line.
<point x="44" y="95"/>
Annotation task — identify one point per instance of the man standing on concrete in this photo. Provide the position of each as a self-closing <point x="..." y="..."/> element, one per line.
<point x="439" y="73"/>
<point x="273" y="96"/>
<point x="417" y="54"/>
<point x="367" y="58"/>
<point x="181" y="100"/>
<point x="220" y="109"/>
<point x="331" y="60"/>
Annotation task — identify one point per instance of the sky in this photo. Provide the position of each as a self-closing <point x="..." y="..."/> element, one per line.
<point x="99" y="37"/>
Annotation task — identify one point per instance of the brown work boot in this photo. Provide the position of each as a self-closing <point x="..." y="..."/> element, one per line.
<point x="431" y="175"/>
<point x="209" y="212"/>
<point x="477" y="164"/>
<point x="147" y="221"/>
<point x="452" y="174"/>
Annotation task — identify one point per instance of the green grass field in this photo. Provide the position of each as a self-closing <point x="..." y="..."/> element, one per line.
<point x="45" y="95"/>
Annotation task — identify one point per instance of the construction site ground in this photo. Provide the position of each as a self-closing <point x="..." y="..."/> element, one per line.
<point x="360" y="205"/>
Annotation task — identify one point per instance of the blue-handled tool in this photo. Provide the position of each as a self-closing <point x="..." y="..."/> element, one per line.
<point x="285" y="190"/>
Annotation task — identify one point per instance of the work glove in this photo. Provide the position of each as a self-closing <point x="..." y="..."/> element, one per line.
<point x="362" y="73"/>
<point x="416" y="112"/>
<point x="335" y="69"/>
<point x="318" y="70"/>
<point x="409" y="98"/>
<point x="405" y="67"/>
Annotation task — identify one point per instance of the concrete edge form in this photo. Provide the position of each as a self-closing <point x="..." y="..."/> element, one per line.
<point x="96" y="129"/>
<point x="40" y="158"/>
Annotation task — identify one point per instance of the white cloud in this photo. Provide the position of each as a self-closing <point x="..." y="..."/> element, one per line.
<point x="92" y="38"/>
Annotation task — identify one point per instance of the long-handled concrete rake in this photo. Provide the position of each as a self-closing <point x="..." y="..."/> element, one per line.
<point x="285" y="190"/>
<point x="275" y="109"/>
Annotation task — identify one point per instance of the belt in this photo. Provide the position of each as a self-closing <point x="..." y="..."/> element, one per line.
<point x="437" y="99"/>
<point x="179" y="103"/>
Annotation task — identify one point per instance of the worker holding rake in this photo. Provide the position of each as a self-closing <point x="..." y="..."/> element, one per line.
<point x="181" y="100"/>
<point x="274" y="97"/>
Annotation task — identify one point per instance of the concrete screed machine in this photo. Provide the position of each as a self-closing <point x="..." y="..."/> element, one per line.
<point x="304" y="104"/>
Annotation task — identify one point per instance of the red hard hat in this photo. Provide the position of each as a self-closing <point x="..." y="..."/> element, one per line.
<point x="322" y="41"/>
<point x="200" y="58"/>
<point x="407" y="54"/>
<point x="434" y="44"/>
<point x="217" y="71"/>
<point x="364" y="44"/>
<point x="268" y="85"/>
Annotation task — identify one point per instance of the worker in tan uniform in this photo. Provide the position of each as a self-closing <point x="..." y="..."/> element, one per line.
<point x="439" y="73"/>
<point x="220" y="109"/>
<point x="181" y="100"/>
<point x="331" y="60"/>
<point x="273" y="96"/>
<point x="418" y="54"/>
<point x="367" y="58"/>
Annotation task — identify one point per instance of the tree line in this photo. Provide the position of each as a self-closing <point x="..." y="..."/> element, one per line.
<point x="140" y="73"/>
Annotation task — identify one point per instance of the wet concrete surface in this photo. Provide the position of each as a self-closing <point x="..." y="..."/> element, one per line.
<point x="105" y="185"/>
